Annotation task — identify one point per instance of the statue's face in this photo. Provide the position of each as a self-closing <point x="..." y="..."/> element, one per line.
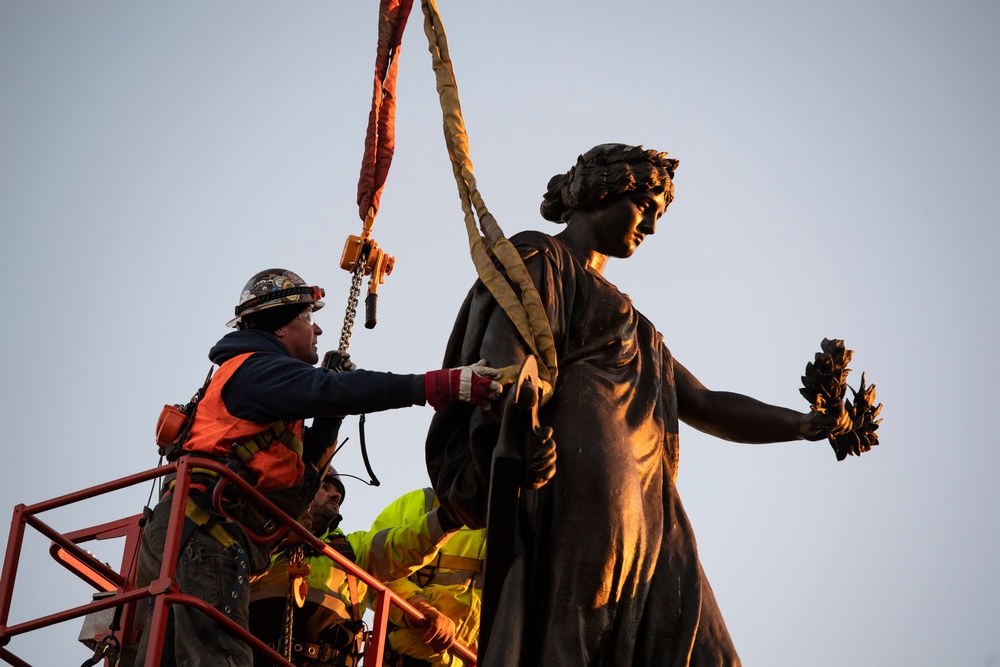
<point x="622" y="224"/>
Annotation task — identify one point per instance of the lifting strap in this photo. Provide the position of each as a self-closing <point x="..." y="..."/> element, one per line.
<point x="362" y="255"/>
<point x="380" y="141"/>
<point x="512" y="288"/>
<point x="526" y="312"/>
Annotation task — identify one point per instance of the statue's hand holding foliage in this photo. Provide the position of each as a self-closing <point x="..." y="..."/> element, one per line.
<point x="850" y="427"/>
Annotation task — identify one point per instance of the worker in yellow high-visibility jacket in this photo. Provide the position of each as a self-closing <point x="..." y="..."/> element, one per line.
<point x="451" y="583"/>
<point x="326" y="630"/>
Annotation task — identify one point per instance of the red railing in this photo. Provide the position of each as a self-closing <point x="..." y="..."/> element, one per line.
<point x="164" y="592"/>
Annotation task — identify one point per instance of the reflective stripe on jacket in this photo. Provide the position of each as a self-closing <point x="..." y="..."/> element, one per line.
<point x="452" y="591"/>
<point x="393" y="552"/>
<point x="215" y="430"/>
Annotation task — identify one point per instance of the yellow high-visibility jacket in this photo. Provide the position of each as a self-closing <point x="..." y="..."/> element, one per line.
<point x="451" y="582"/>
<point x="388" y="553"/>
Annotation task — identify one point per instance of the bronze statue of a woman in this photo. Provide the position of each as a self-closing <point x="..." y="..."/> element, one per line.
<point x="605" y="568"/>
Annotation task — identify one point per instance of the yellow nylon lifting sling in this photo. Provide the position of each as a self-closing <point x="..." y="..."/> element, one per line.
<point x="526" y="313"/>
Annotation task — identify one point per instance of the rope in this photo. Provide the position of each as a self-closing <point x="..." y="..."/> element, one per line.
<point x="526" y="312"/>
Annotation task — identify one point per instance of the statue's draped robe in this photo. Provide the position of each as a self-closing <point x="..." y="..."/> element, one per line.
<point x="606" y="569"/>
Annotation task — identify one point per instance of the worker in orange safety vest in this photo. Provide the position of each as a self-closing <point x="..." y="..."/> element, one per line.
<point x="251" y="417"/>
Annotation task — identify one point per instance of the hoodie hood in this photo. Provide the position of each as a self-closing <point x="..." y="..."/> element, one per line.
<point x="243" y="341"/>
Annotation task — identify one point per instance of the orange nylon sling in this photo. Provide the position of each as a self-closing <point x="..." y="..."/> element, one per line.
<point x="380" y="142"/>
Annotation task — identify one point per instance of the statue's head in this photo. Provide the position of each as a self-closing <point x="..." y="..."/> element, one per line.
<point x="604" y="172"/>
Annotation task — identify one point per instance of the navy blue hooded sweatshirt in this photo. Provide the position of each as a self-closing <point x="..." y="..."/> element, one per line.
<point x="272" y="386"/>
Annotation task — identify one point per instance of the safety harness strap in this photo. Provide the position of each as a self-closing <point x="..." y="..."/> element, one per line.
<point x="262" y="441"/>
<point x="242" y="453"/>
<point x="352" y="588"/>
<point x="197" y="517"/>
<point x="202" y="519"/>
<point x="324" y="653"/>
<point x="340" y="544"/>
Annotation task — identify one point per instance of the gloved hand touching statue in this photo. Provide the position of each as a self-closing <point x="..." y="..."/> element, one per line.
<point x="473" y="384"/>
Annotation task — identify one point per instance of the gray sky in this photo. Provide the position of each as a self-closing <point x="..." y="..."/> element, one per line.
<point x="838" y="177"/>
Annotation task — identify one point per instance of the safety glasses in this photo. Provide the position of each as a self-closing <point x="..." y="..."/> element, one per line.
<point x="307" y="316"/>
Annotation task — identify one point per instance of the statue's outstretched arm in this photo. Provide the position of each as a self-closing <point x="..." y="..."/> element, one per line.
<point x="740" y="418"/>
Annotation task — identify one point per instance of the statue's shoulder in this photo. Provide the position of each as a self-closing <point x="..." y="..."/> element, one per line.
<point x="532" y="242"/>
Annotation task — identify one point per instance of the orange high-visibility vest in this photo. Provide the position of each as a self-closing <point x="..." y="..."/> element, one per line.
<point x="215" y="430"/>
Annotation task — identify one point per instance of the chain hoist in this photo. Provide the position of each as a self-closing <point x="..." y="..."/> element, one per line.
<point x="363" y="257"/>
<point x="352" y="298"/>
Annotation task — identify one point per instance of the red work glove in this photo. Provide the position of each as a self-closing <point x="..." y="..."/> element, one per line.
<point x="439" y="632"/>
<point x="474" y="384"/>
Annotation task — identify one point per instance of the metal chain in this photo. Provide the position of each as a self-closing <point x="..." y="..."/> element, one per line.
<point x="345" y="342"/>
<point x="352" y="299"/>
<point x="296" y="555"/>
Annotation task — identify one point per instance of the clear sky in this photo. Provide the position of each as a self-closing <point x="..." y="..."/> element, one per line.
<point x="838" y="179"/>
